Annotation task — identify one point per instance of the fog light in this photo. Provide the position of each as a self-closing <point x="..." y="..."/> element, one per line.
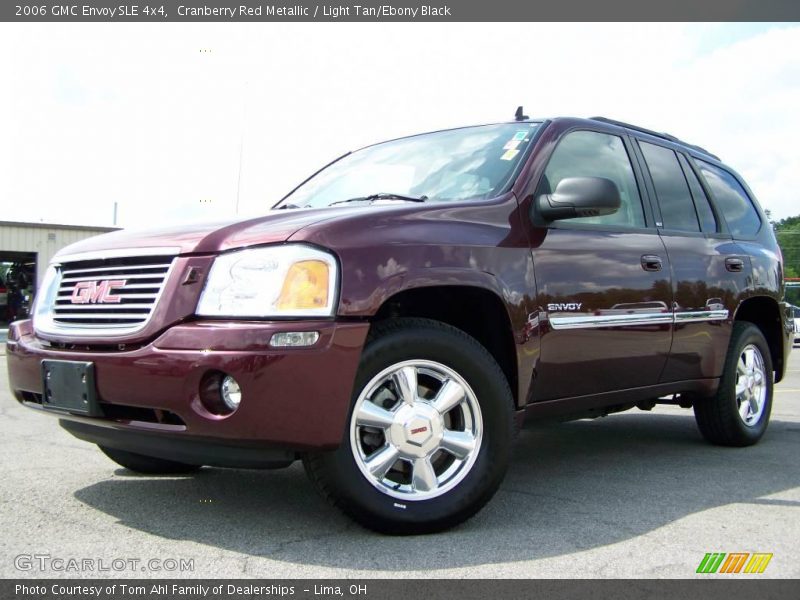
<point x="220" y="393"/>
<point x="294" y="339"/>
<point x="231" y="392"/>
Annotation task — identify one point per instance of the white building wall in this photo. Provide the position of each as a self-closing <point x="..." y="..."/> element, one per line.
<point x="43" y="239"/>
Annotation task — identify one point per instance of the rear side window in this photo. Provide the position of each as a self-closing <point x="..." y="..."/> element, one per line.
<point x="594" y="154"/>
<point x="674" y="198"/>
<point x="704" y="211"/>
<point x="731" y="200"/>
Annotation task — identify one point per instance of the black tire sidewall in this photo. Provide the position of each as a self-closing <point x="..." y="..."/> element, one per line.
<point x="384" y="512"/>
<point x="747" y="335"/>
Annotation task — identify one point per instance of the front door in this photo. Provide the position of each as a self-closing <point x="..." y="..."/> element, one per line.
<point x="604" y="287"/>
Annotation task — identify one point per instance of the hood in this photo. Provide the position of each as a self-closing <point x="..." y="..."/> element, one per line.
<point x="208" y="238"/>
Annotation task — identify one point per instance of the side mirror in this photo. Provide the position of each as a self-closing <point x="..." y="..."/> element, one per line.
<point x="579" y="197"/>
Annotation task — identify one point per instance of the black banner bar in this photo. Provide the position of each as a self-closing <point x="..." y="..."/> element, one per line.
<point x="735" y="588"/>
<point x="402" y="10"/>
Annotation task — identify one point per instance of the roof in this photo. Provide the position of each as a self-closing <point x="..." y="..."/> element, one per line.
<point x="57" y="226"/>
<point x="658" y="134"/>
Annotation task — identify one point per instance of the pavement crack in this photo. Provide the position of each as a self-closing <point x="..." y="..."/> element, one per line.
<point x="280" y="547"/>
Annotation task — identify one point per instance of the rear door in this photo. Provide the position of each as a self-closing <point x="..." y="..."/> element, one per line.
<point x="603" y="283"/>
<point x="709" y="270"/>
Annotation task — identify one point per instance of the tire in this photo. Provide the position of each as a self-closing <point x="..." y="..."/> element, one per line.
<point x="449" y="464"/>
<point x="729" y="418"/>
<point x="148" y="465"/>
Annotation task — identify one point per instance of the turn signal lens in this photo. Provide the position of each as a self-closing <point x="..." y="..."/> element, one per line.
<point x="294" y="339"/>
<point x="305" y="286"/>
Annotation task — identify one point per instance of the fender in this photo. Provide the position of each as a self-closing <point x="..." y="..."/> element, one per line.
<point x="386" y="250"/>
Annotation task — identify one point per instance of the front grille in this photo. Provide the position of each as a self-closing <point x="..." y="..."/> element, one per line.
<point x="117" y="295"/>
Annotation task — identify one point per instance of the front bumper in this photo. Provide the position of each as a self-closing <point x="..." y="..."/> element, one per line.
<point x="292" y="399"/>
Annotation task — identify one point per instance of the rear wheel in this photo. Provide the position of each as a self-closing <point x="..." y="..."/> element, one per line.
<point x="429" y="433"/>
<point x="147" y="464"/>
<point x="738" y="414"/>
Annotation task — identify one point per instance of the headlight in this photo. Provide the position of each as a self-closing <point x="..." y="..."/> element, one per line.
<point x="278" y="281"/>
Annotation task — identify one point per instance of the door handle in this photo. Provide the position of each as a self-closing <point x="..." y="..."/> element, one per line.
<point x="734" y="265"/>
<point x="651" y="262"/>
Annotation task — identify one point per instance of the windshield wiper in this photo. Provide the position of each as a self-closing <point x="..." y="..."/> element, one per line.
<point x="382" y="196"/>
<point x="285" y="206"/>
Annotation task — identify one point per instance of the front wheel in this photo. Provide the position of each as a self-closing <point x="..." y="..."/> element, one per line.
<point x="429" y="434"/>
<point x="738" y="414"/>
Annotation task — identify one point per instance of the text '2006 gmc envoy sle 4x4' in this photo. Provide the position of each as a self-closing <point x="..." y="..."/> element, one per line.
<point x="393" y="320"/>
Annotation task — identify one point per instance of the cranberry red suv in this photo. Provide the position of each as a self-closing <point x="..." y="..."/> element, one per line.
<point x="400" y="313"/>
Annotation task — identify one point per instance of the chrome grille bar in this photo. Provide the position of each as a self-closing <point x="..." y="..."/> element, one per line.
<point x="66" y="307"/>
<point x="109" y="269"/>
<point x="118" y="275"/>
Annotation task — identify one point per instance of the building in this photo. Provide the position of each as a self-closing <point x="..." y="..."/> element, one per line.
<point x="25" y="251"/>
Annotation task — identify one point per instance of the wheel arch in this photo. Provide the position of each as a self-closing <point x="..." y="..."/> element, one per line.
<point x="475" y="310"/>
<point x="764" y="313"/>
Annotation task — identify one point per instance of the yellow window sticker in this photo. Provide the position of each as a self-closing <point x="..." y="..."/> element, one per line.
<point x="509" y="154"/>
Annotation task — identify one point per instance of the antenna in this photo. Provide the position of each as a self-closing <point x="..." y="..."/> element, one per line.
<point x="519" y="116"/>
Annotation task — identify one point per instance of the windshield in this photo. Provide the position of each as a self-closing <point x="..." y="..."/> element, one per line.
<point x="459" y="164"/>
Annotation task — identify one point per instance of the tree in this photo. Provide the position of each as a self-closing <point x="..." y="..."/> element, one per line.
<point x="788" y="233"/>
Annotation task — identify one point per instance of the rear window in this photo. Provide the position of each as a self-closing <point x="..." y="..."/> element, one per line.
<point x="674" y="198"/>
<point x="707" y="219"/>
<point x="731" y="200"/>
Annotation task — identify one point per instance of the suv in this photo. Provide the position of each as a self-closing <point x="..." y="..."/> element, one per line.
<point x="399" y="314"/>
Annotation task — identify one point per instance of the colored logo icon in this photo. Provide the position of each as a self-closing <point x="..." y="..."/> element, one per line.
<point x="734" y="562"/>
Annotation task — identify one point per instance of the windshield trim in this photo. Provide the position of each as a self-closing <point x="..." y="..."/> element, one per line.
<point x="515" y="173"/>
<point x="310" y="177"/>
<point x="446" y="129"/>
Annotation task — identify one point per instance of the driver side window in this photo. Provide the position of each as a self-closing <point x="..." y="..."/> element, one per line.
<point x="594" y="154"/>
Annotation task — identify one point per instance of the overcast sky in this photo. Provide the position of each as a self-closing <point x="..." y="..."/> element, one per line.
<point x="154" y="116"/>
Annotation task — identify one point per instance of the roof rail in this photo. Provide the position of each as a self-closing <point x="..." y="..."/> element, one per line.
<point x="663" y="136"/>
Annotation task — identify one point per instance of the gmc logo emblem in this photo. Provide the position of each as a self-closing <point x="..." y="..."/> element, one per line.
<point x="418" y="430"/>
<point x="97" y="292"/>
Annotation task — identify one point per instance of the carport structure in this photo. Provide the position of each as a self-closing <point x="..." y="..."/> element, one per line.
<point x="25" y="251"/>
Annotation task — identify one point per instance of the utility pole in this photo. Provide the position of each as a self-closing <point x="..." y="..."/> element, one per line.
<point x="241" y="145"/>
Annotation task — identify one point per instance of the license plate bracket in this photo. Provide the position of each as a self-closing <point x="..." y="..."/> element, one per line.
<point x="70" y="386"/>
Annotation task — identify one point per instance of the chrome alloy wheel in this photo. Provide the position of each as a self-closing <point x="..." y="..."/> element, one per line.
<point x="416" y="430"/>
<point x="751" y="385"/>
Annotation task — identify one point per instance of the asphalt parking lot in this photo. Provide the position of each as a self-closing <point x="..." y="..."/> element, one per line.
<point x="631" y="495"/>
